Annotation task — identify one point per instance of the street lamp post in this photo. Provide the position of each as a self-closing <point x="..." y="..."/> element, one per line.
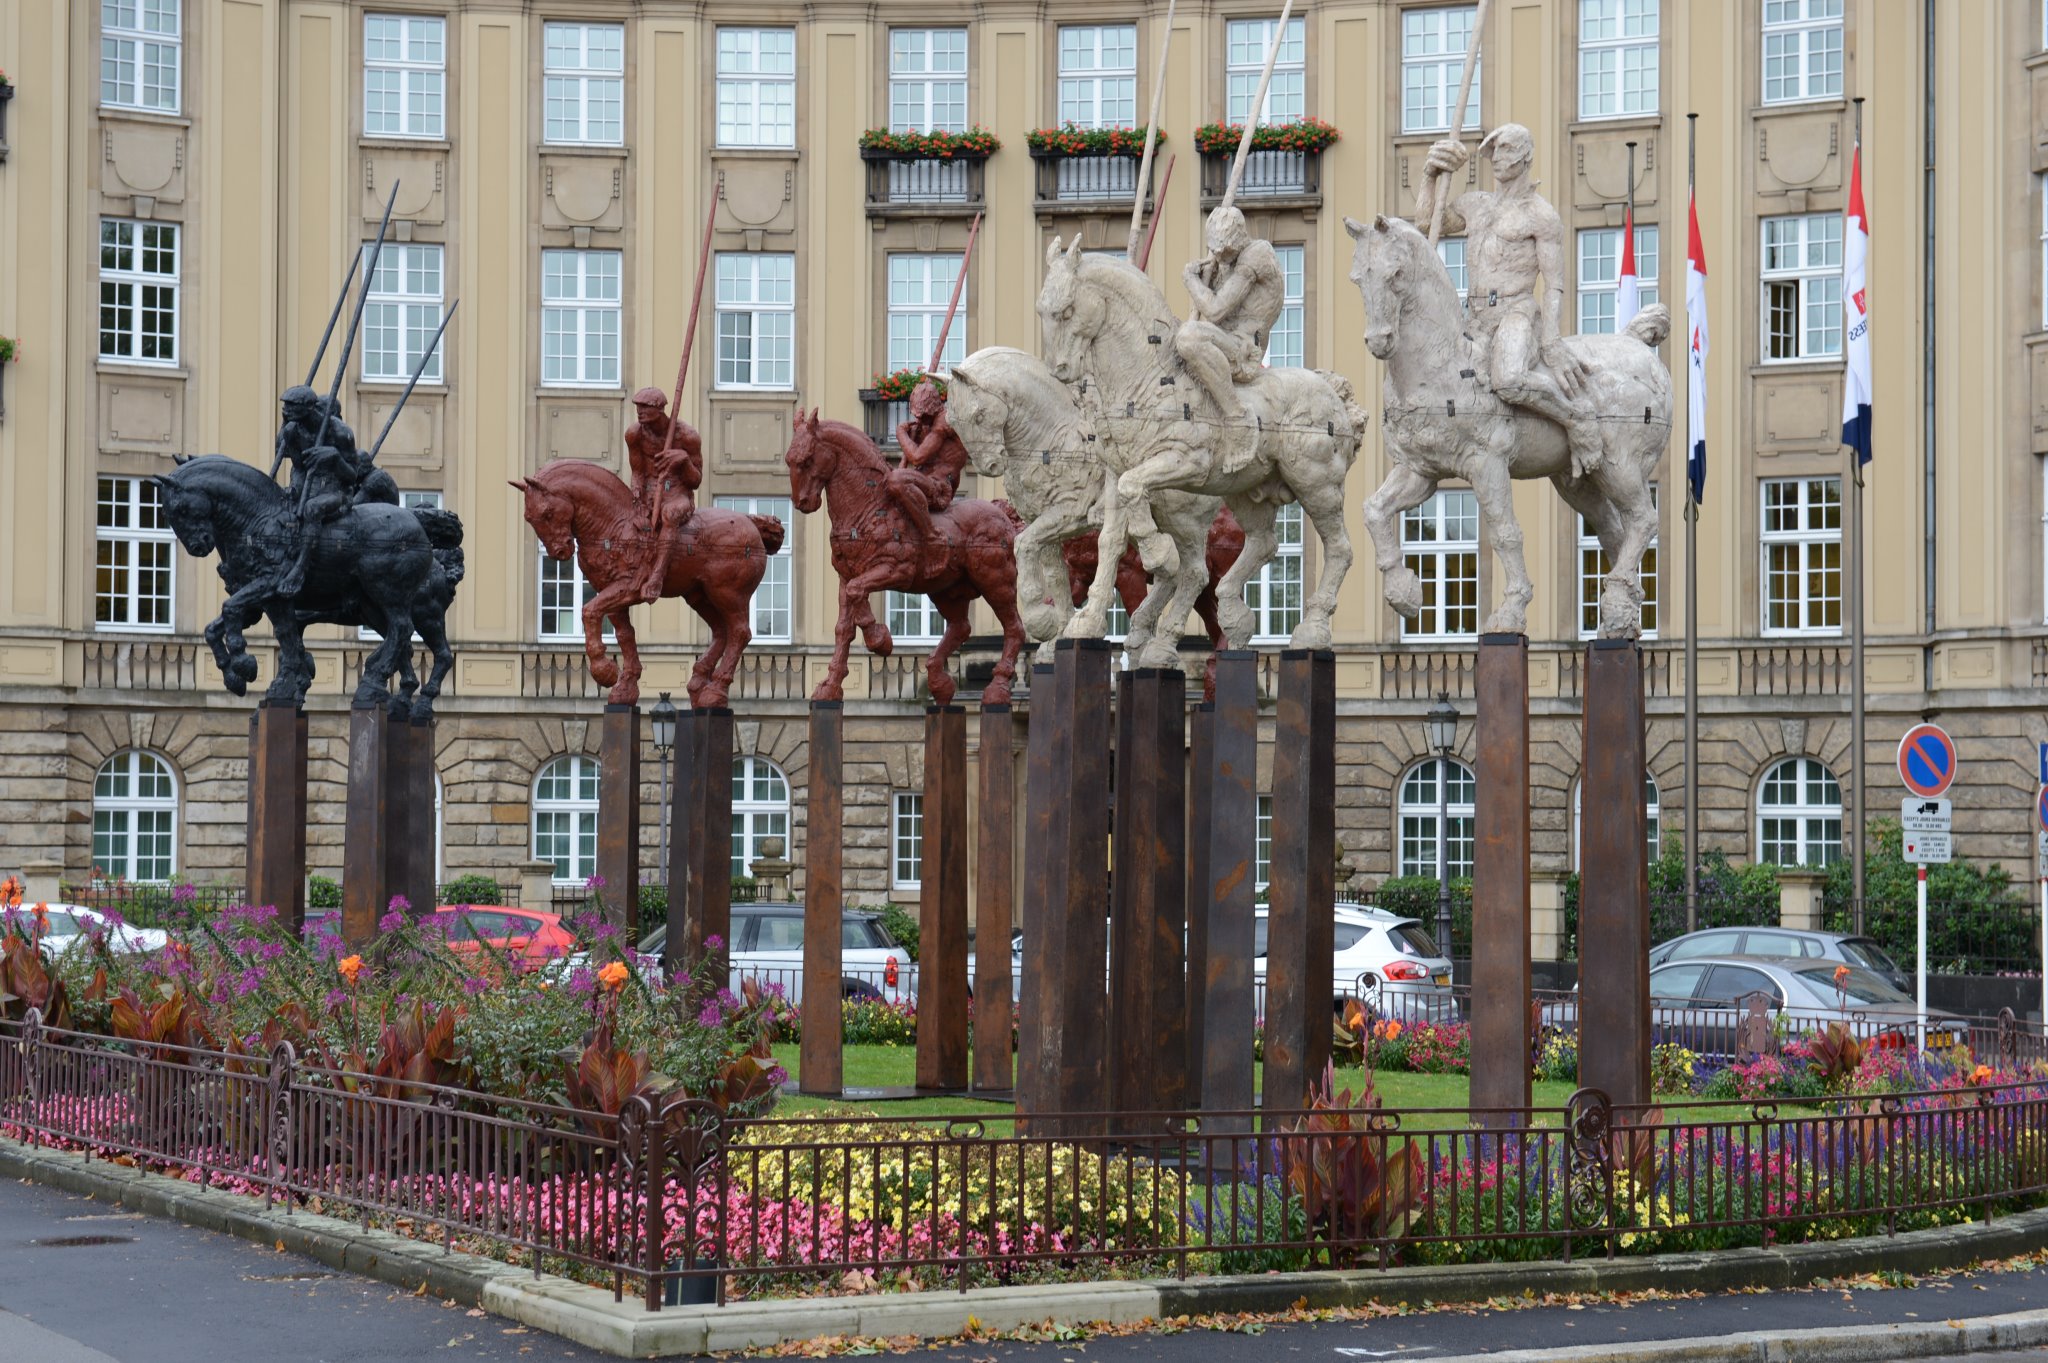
<point x="664" y="717"/>
<point x="1443" y="737"/>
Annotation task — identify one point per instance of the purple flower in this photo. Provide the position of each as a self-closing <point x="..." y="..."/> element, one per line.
<point x="596" y="882"/>
<point x="727" y="999"/>
<point x="714" y="943"/>
<point x="394" y="920"/>
<point x="249" y="981"/>
<point x="774" y="990"/>
<point x="185" y="893"/>
<point x="777" y="1075"/>
<point x="270" y="951"/>
<point x="475" y="985"/>
<point x="605" y="932"/>
<point x="263" y="915"/>
<point x="327" y="945"/>
<point x="582" y="981"/>
<point x="709" y="1015"/>
<point x="335" y="998"/>
<point x="399" y="904"/>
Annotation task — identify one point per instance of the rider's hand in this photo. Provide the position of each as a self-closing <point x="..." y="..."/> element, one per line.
<point x="1564" y="366"/>
<point x="1446" y="155"/>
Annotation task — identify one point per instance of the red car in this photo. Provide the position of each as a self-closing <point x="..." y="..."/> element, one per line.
<point x="529" y="935"/>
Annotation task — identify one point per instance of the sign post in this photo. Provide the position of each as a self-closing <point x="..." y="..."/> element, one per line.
<point x="2041" y="870"/>
<point x="1927" y="763"/>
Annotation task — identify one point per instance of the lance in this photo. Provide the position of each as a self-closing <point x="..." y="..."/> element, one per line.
<point x="1151" y="137"/>
<point x="1443" y="193"/>
<point x="355" y="260"/>
<point x="675" y="411"/>
<point x="959" y="282"/>
<point x="348" y="343"/>
<point x="1251" y="123"/>
<point x="1152" y="228"/>
<point x="413" y="382"/>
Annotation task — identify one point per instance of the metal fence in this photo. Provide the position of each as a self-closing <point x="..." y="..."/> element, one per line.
<point x="153" y="905"/>
<point x="1991" y="937"/>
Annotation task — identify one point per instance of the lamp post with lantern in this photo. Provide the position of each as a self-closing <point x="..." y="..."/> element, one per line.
<point x="1442" y="724"/>
<point x="664" y="718"/>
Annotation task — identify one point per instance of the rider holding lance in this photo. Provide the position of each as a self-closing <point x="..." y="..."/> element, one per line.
<point x="933" y="460"/>
<point x="666" y="475"/>
<point x="1238" y="290"/>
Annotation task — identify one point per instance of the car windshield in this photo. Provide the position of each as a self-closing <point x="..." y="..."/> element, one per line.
<point x="1868" y="954"/>
<point x="1857" y="986"/>
<point x="1410" y="940"/>
<point x="62" y="924"/>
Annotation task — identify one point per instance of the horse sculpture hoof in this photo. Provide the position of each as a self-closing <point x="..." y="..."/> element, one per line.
<point x="604" y="671"/>
<point x="829" y="690"/>
<point x="942" y="686"/>
<point x="997" y="692"/>
<point x="1404" y="593"/>
<point x="625" y="693"/>
<point x="710" y="696"/>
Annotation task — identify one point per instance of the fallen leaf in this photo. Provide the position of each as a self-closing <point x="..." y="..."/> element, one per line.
<point x="474" y="1312"/>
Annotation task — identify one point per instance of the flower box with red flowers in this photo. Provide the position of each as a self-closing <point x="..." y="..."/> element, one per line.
<point x="880" y="144"/>
<point x="926" y="173"/>
<point x="1304" y="135"/>
<point x="1069" y="140"/>
<point x="1284" y="162"/>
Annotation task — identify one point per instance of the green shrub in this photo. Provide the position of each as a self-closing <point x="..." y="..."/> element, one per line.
<point x="901" y="924"/>
<point x="472" y="889"/>
<point x="1415" y="897"/>
<point x="1979" y="929"/>
<point x="323" y="893"/>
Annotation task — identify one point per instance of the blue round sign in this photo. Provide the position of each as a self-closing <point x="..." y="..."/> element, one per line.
<point x="2041" y="808"/>
<point x="1927" y="760"/>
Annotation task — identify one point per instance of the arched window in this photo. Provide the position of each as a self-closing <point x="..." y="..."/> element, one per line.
<point x="1418" y="819"/>
<point x="760" y="809"/>
<point x="1799" y="814"/>
<point x="565" y="817"/>
<point x="135" y="817"/>
<point x="1651" y="807"/>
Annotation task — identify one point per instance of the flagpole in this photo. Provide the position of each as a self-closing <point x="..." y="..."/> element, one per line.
<point x="1692" y="611"/>
<point x="1856" y="715"/>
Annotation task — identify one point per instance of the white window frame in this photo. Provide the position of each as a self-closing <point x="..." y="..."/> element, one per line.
<point x="1275" y="594"/>
<point x="556" y="576"/>
<point x="417" y="78"/>
<point x="906" y="840"/>
<point x="1430" y="66"/>
<point x="1244" y="60"/>
<point x="1802" y="822"/>
<point x="912" y="618"/>
<point x="1451" y="251"/>
<point x="757" y="812"/>
<point x="1098" y="70"/>
<point x="773" y="622"/>
<point x="578" y="811"/>
<point x="1262" y="848"/>
<point x="1618" y="58"/>
<point x="131" y="49"/>
<point x="1814" y="281"/>
<point x="581" y="317"/>
<point x="1797" y="32"/>
<point x="1593" y="570"/>
<point x="1802" y="548"/>
<point x="402" y="311"/>
<point x="144" y="545"/>
<point x="920" y="286"/>
<point x="583" y="84"/>
<point x="765" y="327"/>
<point x="1600" y="275"/>
<point x="756" y="87"/>
<point x="1653" y="815"/>
<point x="928" y="80"/>
<point x="1286" y="344"/>
<point x="149" y="293"/>
<point x="1435" y="559"/>
<point x="126" y="814"/>
<point x="1415" y="820"/>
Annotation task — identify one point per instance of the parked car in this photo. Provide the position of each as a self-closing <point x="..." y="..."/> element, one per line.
<point x="1388" y="962"/>
<point x="532" y="936"/>
<point x="768" y="945"/>
<point x="60" y="927"/>
<point x="1788" y="943"/>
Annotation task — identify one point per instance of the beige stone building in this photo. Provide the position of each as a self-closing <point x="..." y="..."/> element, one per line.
<point x="182" y="185"/>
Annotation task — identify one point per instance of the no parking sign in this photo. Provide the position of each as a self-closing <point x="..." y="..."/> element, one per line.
<point x="1927" y="760"/>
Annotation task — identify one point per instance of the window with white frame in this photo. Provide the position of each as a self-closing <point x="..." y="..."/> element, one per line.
<point x="1594" y="566"/>
<point x="584" y="84"/>
<point x="1275" y="594"/>
<point x="906" y="840"/>
<point x="402" y="313"/>
<point x="1653" y="816"/>
<point x="913" y="619"/>
<point x="1799" y="814"/>
<point x="141" y="54"/>
<point x="563" y="593"/>
<point x="1419" y="820"/>
<point x="1262" y="847"/>
<point x="771" y="607"/>
<point x="1284" y="342"/>
<point x="134" y="818"/>
<point x="1600" y="275"/>
<point x="138" y="291"/>
<point x="928" y="80"/>
<point x="756" y="320"/>
<point x="1617" y="58"/>
<point x="565" y="818"/>
<point x="1451" y="251"/>
<point x="757" y="87"/>
<point x="920" y="287"/>
<point x="579" y="318"/>
<point x="760" y="809"/>
<point x="136" y="557"/>
<point x="1245" y="43"/>
<point x="1802" y="50"/>
<point x="1802" y="550"/>
<point x="412" y="501"/>
<point x="1802" y="287"/>
<point x="1099" y="76"/>
<point x="405" y="75"/>
<point x="1440" y="545"/>
<point x="1433" y="47"/>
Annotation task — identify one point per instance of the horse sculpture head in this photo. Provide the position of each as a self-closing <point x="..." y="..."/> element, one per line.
<point x="1395" y="268"/>
<point x="1070" y="314"/>
<point x="552" y="516"/>
<point x="978" y="416"/>
<point x="812" y="461"/>
<point x="209" y="493"/>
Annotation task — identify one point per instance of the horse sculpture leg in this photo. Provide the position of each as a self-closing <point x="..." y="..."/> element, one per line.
<point x="733" y="633"/>
<point x="627" y="691"/>
<point x="1493" y="487"/>
<point x="953" y="605"/>
<point x="1154" y="638"/>
<point x="1174" y="466"/>
<point x="1404" y="490"/>
<point x="1042" y="573"/>
<point x="373" y="688"/>
<point x="1629" y="525"/>
<point x="1324" y="506"/>
<point x="1092" y="620"/>
<point x="614" y="599"/>
<point x="433" y="627"/>
<point x="1260" y="544"/>
<point x="853" y="606"/>
<point x="996" y="589"/>
<point x="224" y="636"/>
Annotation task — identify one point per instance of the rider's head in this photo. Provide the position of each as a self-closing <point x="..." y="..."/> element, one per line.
<point x="926" y="401"/>
<point x="1226" y="234"/>
<point x="650" y="403"/>
<point x="301" y="401"/>
<point x="1512" y="149"/>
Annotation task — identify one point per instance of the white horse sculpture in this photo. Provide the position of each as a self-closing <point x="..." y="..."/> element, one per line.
<point x="1443" y="422"/>
<point x="1108" y="334"/>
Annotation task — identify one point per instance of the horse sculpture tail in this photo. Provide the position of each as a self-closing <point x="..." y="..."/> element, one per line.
<point x="1354" y="413"/>
<point x="1651" y="325"/>
<point x="771" y="533"/>
<point x="444" y="533"/>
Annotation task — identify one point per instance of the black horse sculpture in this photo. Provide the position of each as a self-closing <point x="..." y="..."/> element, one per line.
<point x="386" y="568"/>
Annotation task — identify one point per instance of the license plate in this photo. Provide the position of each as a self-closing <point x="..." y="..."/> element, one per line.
<point x="1443" y="979"/>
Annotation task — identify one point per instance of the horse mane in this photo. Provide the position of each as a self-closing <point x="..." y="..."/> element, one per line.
<point x="1131" y="285"/>
<point x="848" y="438"/>
<point x="568" y="477"/>
<point x="1429" y="268"/>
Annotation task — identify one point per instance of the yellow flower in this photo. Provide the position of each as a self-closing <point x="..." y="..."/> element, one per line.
<point x="614" y="976"/>
<point x="350" y="967"/>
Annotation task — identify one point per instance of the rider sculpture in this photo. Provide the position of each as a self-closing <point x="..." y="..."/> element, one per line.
<point x="665" y="479"/>
<point x="933" y="460"/>
<point x="1238" y="291"/>
<point x="329" y="473"/>
<point x="1513" y="238"/>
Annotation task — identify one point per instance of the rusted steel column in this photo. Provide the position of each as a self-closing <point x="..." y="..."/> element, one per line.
<point x="1614" y="883"/>
<point x="700" y="839"/>
<point x="1201" y="742"/>
<point x="1302" y="893"/>
<point x="942" y="904"/>
<point x="1147" y="988"/>
<point x="1500" y="876"/>
<point x="821" y="1065"/>
<point x="418" y="881"/>
<point x="365" y="864"/>
<point x="1226" y="832"/>
<point x="1043" y="743"/>
<point x="994" y="991"/>
<point x="618" y="813"/>
<point x="277" y="811"/>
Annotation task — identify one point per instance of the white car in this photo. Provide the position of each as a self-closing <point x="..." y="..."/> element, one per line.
<point x="1389" y="963"/>
<point x="71" y="925"/>
<point x="768" y="947"/>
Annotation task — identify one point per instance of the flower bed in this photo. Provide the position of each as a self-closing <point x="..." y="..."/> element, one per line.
<point x="897" y="385"/>
<point x="1304" y="135"/>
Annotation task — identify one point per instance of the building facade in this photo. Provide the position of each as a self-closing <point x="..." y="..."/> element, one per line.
<point x="182" y="186"/>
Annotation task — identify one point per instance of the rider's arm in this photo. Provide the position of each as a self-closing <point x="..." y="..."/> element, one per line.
<point x="1454" y="209"/>
<point x="1225" y="302"/>
<point x="1550" y="259"/>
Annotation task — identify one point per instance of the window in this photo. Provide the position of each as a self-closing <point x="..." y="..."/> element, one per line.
<point x="1433" y="45"/>
<point x="756" y="320"/>
<point x="140" y="54"/>
<point x="1440" y="544"/>
<point x="563" y="593"/>
<point x="1799" y="814"/>
<point x="1245" y="42"/>
<point x="1275" y="594"/>
<point x="1451" y="250"/>
<point x="919" y="289"/>
<point x="1283" y="345"/>
<point x="1593" y="569"/>
<point x="1802" y="547"/>
<point x="1418" y="819"/>
<point x="913" y="619"/>
<point x="1802" y="281"/>
<point x="1262" y="853"/>
<point x="138" y="291"/>
<point x="1802" y="50"/>
<point x="413" y="501"/>
<point x="134" y="818"/>
<point x="1652" y="809"/>
<point x="136" y="551"/>
<point x="760" y="809"/>
<point x="906" y="841"/>
<point x="928" y="80"/>
<point x="585" y="76"/>
<point x="565" y="818"/>
<point x="757" y="87"/>
<point x="1600" y="275"/>
<point x="579" y="318"/>
<point x="770" y="610"/>
<point x="403" y="312"/>
<point x="1099" y="76"/>
<point x="405" y="73"/>
<point x="1617" y="58"/>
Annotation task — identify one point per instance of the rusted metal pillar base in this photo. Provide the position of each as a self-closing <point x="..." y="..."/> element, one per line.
<point x="1614" y="893"/>
<point x="1500" y="880"/>
<point x="366" y="862"/>
<point x="1147" y="987"/>
<point x="277" y="812"/>
<point x="417" y="880"/>
<point x="821" y="1067"/>
<point x="942" y="905"/>
<point x="1302" y="894"/>
<point x="1201" y="742"/>
<point x="1039" y="964"/>
<point x="994" y="990"/>
<point x="1220" y="891"/>
<point x="618" y="814"/>
<point x="700" y="840"/>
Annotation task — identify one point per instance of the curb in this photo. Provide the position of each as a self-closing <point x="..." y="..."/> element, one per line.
<point x="626" y="1329"/>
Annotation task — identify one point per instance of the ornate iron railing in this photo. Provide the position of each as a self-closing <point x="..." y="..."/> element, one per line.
<point x="924" y="186"/>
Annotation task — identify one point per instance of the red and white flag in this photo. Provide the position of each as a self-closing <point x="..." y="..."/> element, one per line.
<point x="1856" y="387"/>
<point x="1628" y="298"/>
<point x="1695" y="356"/>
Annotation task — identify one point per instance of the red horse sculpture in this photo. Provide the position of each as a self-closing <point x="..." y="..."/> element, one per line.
<point x="1082" y="553"/>
<point x="874" y="548"/>
<point x="716" y="560"/>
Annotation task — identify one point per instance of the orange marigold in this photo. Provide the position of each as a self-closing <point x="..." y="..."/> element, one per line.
<point x="350" y="967"/>
<point x="1841" y="973"/>
<point x="614" y="976"/>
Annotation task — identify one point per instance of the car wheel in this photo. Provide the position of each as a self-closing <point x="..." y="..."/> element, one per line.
<point x="859" y="991"/>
